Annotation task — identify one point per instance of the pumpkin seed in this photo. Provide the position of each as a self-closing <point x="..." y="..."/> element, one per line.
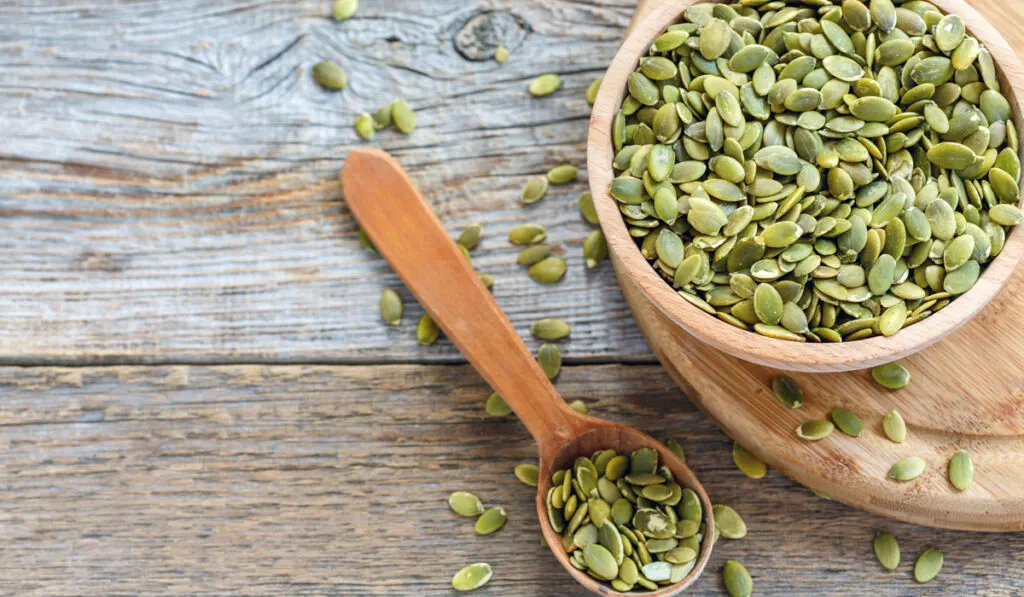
<point x="472" y="577"/>
<point x="427" y="331"/>
<point x="365" y="126"/>
<point x="595" y="249"/>
<point x="961" y="470"/>
<point x="501" y="54"/>
<point x="894" y="426"/>
<point x="496" y="407"/>
<point x="579" y="406"/>
<point x="550" y="360"/>
<point x="545" y="85"/>
<point x="887" y="550"/>
<point x="535" y="190"/>
<point x="391" y="307"/>
<point x="466" y="504"/>
<point x="928" y="565"/>
<point x="847" y="421"/>
<point x="403" y="116"/>
<point x="737" y="580"/>
<point x="729" y="522"/>
<point x="748" y="463"/>
<point x="329" y="75"/>
<point x="344" y="9"/>
<point x="527" y="234"/>
<point x="527" y="473"/>
<point x="490" y="521"/>
<point x="907" y="469"/>
<point x="892" y="376"/>
<point x="815" y="430"/>
<point x="563" y="174"/>
<point x="787" y="391"/>
<point x="550" y="329"/>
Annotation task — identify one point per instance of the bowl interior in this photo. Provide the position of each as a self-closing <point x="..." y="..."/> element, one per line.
<point x="632" y="268"/>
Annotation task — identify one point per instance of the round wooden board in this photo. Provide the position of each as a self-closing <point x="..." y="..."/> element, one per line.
<point x="966" y="392"/>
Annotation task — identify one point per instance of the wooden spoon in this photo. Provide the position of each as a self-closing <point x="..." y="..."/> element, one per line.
<point x="408" y="234"/>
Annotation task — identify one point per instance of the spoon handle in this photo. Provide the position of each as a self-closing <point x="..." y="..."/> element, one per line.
<point x="405" y="230"/>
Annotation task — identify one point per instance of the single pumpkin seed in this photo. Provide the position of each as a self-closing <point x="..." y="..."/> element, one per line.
<point x="391" y="307"/>
<point x="907" y="469"/>
<point x="527" y="473"/>
<point x="961" y="470"/>
<point x="344" y="9"/>
<point x="563" y="174"/>
<point x="729" y="522"/>
<point x="535" y="190"/>
<point x="550" y="360"/>
<point x="788" y="391"/>
<point x="748" y="463"/>
<point x="815" y="430"/>
<point x="550" y="329"/>
<point x="737" y="580"/>
<point x="928" y="565"/>
<point x="472" y="577"/>
<point x="496" y="407"/>
<point x="427" y="331"/>
<point x="465" y="504"/>
<point x="329" y="75"/>
<point x="545" y="85"/>
<point x="847" y="421"/>
<point x="887" y="550"/>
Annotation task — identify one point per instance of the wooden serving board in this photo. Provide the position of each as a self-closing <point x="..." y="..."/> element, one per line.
<point x="966" y="392"/>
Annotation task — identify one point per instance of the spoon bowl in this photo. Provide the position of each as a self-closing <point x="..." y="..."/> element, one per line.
<point x="405" y="230"/>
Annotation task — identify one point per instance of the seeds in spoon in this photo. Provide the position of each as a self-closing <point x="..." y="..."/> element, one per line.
<point x="894" y="426"/>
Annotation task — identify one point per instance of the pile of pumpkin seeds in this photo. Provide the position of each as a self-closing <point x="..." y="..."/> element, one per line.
<point x="817" y="171"/>
<point x="625" y="521"/>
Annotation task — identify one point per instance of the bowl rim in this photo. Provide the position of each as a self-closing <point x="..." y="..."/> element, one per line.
<point x="632" y="267"/>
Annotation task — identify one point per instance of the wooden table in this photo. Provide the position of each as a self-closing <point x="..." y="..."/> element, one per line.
<point x="198" y="395"/>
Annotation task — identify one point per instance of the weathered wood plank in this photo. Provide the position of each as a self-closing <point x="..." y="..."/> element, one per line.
<point x="169" y="173"/>
<point x="311" y="480"/>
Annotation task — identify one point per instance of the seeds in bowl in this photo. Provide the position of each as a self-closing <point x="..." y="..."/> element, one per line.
<point x="625" y="520"/>
<point x="822" y="174"/>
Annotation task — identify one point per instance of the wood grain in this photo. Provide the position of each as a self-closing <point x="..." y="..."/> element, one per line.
<point x="319" y="480"/>
<point x="169" y="189"/>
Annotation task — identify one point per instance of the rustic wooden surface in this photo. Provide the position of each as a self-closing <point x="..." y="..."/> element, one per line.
<point x="332" y="480"/>
<point x="169" y="195"/>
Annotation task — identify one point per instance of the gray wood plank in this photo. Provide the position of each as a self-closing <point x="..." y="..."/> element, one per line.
<point x="326" y="480"/>
<point x="169" y="185"/>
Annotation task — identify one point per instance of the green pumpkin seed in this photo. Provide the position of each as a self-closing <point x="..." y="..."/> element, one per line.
<point x="403" y="117"/>
<point x="714" y="39"/>
<point x="496" y="407"/>
<point x="533" y="254"/>
<point x="472" y="577"/>
<point x="563" y="174"/>
<point x="579" y="406"/>
<point x="550" y="329"/>
<point x="527" y="234"/>
<point x="847" y="422"/>
<point x="427" y="331"/>
<point x="949" y="33"/>
<point x="391" y="307"/>
<point x="535" y="190"/>
<point x="545" y="85"/>
<point x="892" y="376"/>
<point x="788" y="391"/>
<point x="365" y="126"/>
<point x="600" y="561"/>
<point x="961" y="470"/>
<point x="884" y="14"/>
<point x="815" y="430"/>
<point x="527" y="473"/>
<point x="963" y="279"/>
<point x="466" y="504"/>
<point x="501" y="54"/>
<point x="907" y="469"/>
<point x="550" y="360"/>
<point x="737" y="580"/>
<point x="928" y="565"/>
<point x="748" y="463"/>
<point x="729" y="522"/>
<point x="887" y="550"/>
<point x="329" y="75"/>
<point x="345" y="9"/>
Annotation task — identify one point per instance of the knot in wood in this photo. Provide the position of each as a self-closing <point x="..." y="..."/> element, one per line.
<point x="482" y="33"/>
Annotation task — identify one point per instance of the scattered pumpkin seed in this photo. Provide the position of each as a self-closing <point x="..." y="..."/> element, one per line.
<point x="490" y="521"/>
<point x="748" y="463"/>
<point x="466" y="504"/>
<point x="563" y="174"/>
<point x="427" y="331"/>
<point x="550" y="329"/>
<point x="579" y="406"/>
<point x="527" y="473"/>
<point x="815" y="430"/>
<point x="595" y="249"/>
<point x="907" y="469"/>
<point x="550" y="359"/>
<point x="344" y="9"/>
<point x="737" y="580"/>
<point x="894" y="426"/>
<point x="472" y="577"/>
<point x="847" y="421"/>
<point x="548" y="270"/>
<point x="365" y="126"/>
<point x="535" y="190"/>
<point x="527" y="234"/>
<point x="329" y="75"/>
<point x="496" y="407"/>
<point x="788" y="391"/>
<point x="403" y="116"/>
<point x="545" y="85"/>
<point x="961" y="470"/>
<point x="892" y="376"/>
<point x="928" y="565"/>
<point x="587" y="209"/>
<point x="501" y="54"/>
<point x="887" y="550"/>
<point x="391" y="307"/>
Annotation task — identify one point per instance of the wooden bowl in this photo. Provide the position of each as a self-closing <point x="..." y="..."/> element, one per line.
<point x="666" y="315"/>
